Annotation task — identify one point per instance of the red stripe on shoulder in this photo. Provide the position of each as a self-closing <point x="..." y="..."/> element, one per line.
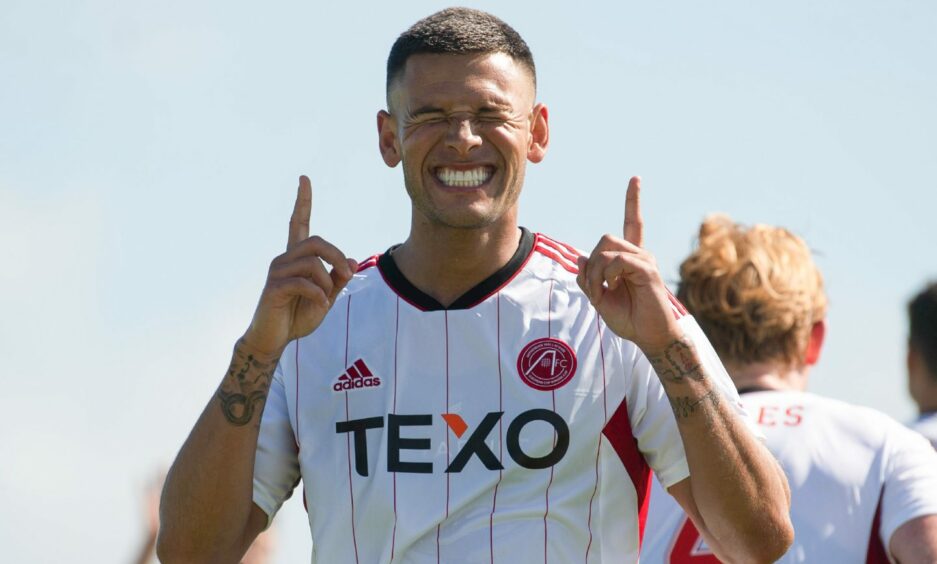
<point x="568" y="248"/>
<point x="368" y="263"/>
<point x="679" y="309"/>
<point x="558" y="258"/>
<point x="565" y="250"/>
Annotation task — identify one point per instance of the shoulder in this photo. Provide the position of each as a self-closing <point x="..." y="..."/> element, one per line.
<point x="549" y="251"/>
<point x="368" y="276"/>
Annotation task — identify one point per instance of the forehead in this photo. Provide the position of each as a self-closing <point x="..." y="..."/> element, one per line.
<point x="446" y="80"/>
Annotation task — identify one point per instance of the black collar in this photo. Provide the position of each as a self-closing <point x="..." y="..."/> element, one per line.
<point x="406" y="290"/>
<point x="750" y="389"/>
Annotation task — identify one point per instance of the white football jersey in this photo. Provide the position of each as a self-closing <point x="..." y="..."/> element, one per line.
<point x="926" y="425"/>
<point x="513" y="426"/>
<point x="856" y="475"/>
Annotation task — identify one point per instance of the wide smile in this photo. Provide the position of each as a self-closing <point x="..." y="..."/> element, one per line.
<point x="463" y="177"/>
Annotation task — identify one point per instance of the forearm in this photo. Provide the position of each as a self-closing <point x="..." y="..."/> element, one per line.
<point x="739" y="490"/>
<point x="207" y="499"/>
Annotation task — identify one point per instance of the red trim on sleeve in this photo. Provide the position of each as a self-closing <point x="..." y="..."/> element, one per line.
<point x="677" y="305"/>
<point x="619" y="433"/>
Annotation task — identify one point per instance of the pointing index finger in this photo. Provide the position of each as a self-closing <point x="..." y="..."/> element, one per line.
<point x="634" y="225"/>
<point x="299" y="221"/>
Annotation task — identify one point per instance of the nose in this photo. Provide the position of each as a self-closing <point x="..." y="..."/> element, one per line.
<point x="461" y="136"/>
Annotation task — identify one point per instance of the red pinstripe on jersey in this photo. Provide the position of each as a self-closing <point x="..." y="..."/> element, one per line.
<point x="494" y="497"/>
<point x="448" y="461"/>
<point x="296" y="411"/>
<point x="393" y="538"/>
<point x="546" y="513"/>
<point x="351" y="492"/>
<point x="296" y="402"/>
<point x="598" y="450"/>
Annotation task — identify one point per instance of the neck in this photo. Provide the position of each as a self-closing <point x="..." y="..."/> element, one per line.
<point x="446" y="262"/>
<point x="768" y="376"/>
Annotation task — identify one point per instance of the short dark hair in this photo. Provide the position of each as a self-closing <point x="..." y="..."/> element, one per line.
<point x="922" y="312"/>
<point x="458" y="31"/>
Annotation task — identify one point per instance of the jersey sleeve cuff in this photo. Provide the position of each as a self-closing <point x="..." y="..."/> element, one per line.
<point x="674" y="473"/>
<point x="267" y="504"/>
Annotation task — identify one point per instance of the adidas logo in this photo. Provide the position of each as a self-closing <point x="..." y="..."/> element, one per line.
<point x="356" y="376"/>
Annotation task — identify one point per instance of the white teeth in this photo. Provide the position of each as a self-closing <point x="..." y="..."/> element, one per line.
<point x="463" y="178"/>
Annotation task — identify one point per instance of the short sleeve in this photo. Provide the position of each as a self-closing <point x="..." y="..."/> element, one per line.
<point x="653" y="424"/>
<point x="652" y="417"/>
<point x="276" y="464"/>
<point x="910" y="489"/>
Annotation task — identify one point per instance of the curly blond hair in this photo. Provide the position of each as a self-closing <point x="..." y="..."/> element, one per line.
<point x="755" y="291"/>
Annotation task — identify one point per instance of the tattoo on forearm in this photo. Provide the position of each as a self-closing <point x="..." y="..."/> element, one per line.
<point x="678" y="363"/>
<point x="244" y="389"/>
<point x="686" y="406"/>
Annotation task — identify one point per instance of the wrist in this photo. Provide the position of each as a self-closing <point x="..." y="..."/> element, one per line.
<point x="667" y="343"/>
<point x="248" y="346"/>
<point x="677" y="362"/>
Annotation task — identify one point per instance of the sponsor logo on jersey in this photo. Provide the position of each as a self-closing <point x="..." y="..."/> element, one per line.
<point x="475" y="445"/>
<point x="356" y="377"/>
<point x="546" y="364"/>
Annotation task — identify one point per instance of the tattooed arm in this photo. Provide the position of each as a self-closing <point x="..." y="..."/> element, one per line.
<point x="736" y="493"/>
<point x="207" y="512"/>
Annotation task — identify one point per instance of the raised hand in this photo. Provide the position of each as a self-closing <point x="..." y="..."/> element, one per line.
<point x="299" y="290"/>
<point x="623" y="283"/>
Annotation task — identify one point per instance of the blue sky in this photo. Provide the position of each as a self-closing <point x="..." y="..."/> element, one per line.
<point x="149" y="155"/>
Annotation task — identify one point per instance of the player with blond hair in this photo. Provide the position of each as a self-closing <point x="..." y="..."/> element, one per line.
<point x="863" y="487"/>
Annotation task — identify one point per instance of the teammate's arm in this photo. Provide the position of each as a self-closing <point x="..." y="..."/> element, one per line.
<point x="740" y="492"/>
<point x="207" y="513"/>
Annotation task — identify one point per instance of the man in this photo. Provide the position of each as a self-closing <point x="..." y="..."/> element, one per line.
<point x="478" y="392"/>
<point x="860" y="482"/>
<point x="922" y="361"/>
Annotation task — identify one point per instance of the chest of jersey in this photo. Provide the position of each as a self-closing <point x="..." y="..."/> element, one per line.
<point x="468" y="417"/>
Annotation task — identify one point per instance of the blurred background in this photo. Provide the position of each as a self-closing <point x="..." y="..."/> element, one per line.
<point x="148" y="162"/>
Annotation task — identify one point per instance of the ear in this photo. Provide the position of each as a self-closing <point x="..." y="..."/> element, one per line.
<point x="539" y="134"/>
<point x="817" y="334"/>
<point x="387" y="138"/>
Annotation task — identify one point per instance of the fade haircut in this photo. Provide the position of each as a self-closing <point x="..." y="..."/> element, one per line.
<point x="755" y="291"/>
<point x="458" y="31"/>
<point x="922" y="312"/>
